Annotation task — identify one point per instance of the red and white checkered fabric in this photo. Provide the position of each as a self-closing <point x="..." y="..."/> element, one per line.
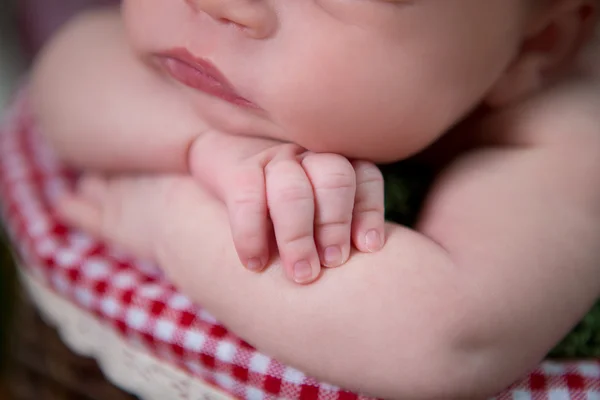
<point x="135" y="300"/>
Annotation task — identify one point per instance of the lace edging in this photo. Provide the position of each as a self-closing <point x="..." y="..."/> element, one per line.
<point x="131" y="369"/>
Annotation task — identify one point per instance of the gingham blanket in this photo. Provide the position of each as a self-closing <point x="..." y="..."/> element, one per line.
<point x="135" y="300"/>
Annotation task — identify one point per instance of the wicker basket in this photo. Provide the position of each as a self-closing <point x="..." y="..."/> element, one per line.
<point x="41" y="367"/>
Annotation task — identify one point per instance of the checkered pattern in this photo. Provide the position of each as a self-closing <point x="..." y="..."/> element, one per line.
<point x="574" y="380"/>
<point x="133" y="298"/>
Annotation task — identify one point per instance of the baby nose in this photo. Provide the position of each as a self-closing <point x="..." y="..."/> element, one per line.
<point x="256" y="17"/>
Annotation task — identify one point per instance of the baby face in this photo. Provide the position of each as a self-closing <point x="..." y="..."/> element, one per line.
<point x="372" y="79"/>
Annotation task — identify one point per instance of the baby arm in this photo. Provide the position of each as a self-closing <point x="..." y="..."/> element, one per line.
<point x="103" y="109"/>
<point x="504" y="262"/>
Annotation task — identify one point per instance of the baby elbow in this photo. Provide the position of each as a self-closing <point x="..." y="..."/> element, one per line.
<point x="470" y="376"/>
<point x="462" y="377"/>
<point x="458" y="364"/>
<point x="476" y="367"/>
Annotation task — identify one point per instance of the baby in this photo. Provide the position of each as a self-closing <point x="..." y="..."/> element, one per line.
<point x="264" y="102"/>
<point x="374" y="89"/>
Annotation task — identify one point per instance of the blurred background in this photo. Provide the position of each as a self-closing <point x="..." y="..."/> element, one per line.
<point x="34" y="363"/>
<point x="11" y="61"/>
<point x="11" y="66"/>
<point x="24" y="27"/>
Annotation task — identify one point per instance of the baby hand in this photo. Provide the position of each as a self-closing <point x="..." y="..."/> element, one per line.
<point x="316" y="204"/>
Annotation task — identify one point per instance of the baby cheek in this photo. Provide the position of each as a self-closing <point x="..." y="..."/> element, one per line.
<point x="333" y="108"/>
<point x="363" y="134"/>
<point x="134" y="23"/>
<point x="341" y="134"/>
<point x="148" y="23"/>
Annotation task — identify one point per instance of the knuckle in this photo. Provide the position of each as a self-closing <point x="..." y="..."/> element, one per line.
<point x="248" y="241"/>
<point x="291" y="192"/>
<point x="368" y="172"/>
<point x="335" y="225"/>
<point x="334" y="175"/>
<point x="246" y="190"/>
<point x="368" y="198"/>
<point x="335" y="180"/>
<point x="247" y="198"/>
<point x="374" y="178"/>
<point x="370" y="189"/>
<point x="298" y="239"/>
<point x="366" y="208"/>
<point x="293" y="195"/>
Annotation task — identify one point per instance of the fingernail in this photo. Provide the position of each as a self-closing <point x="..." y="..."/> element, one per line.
<point x="302" y="271"/>
<point x="332" y="256"/>
<point x="373" y="241"/>
<point x="254" y="264"/>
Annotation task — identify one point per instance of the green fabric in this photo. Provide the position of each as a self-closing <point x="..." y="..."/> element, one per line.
<point x="406" y="184"/>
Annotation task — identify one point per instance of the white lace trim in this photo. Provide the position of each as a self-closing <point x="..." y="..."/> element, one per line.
<point x="131" y="369"/>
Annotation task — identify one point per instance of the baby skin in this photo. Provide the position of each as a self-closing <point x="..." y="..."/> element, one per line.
<point x="501" y="96"/>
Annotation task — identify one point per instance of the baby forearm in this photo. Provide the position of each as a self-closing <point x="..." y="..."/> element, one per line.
<point x="375" y="325"/>
<point x="102" y="108"/>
